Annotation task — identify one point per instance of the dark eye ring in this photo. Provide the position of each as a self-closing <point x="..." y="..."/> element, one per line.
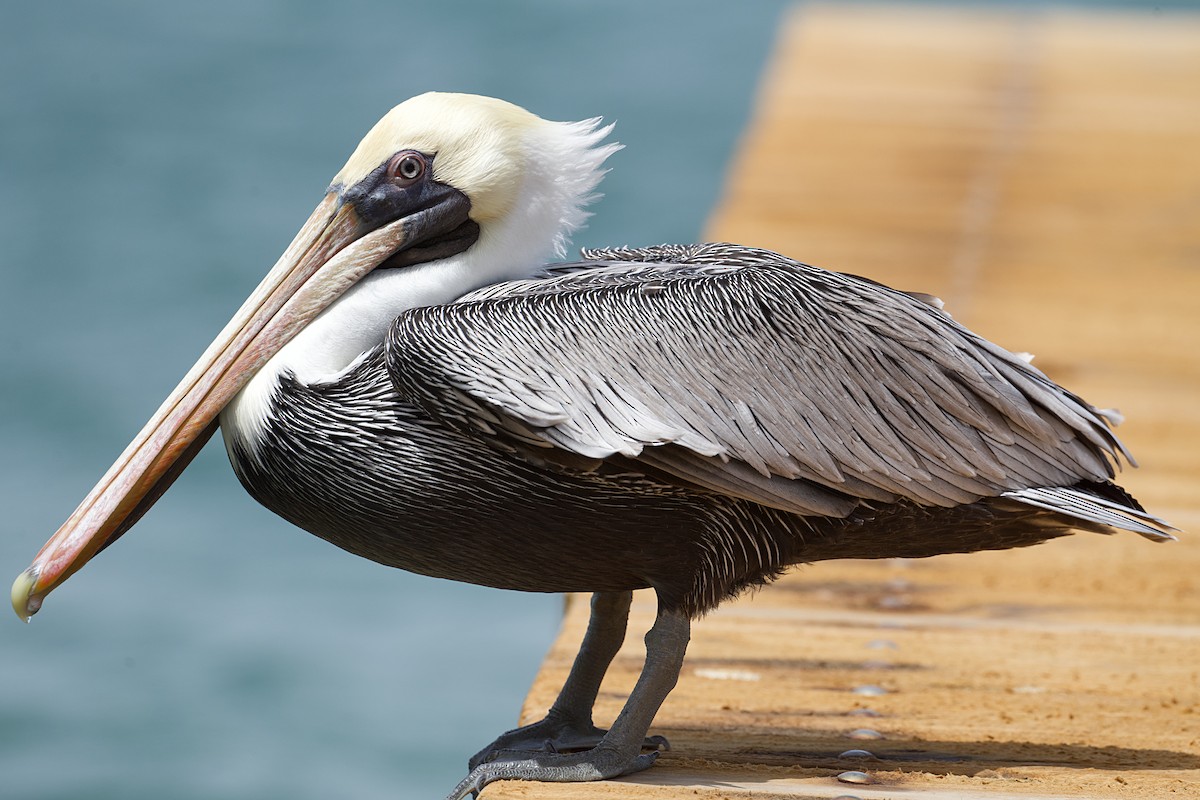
<point x="407" y="167"/>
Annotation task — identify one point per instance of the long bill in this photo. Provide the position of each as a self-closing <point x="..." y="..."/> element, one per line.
<point x="328" y="255"/>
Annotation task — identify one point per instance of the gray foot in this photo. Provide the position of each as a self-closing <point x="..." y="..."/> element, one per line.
<point x="596" y="764"/>
<point x="553" y="735"/>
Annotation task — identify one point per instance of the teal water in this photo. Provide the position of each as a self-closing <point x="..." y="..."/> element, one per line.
<point x="155" y="158"/>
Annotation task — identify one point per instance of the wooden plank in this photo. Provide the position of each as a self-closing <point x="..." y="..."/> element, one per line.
<point x="1040" y="170"/>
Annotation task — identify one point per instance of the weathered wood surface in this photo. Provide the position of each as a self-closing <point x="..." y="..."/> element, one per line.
<point x="1040" y="171"/>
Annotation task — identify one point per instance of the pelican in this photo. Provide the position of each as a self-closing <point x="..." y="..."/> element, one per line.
<point x="416" y="384"/>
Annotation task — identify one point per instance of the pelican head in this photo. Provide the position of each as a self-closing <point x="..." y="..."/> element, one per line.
<point x="447" y="193"/>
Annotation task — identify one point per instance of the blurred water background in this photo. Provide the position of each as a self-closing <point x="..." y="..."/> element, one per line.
<point x="155" y="159"/>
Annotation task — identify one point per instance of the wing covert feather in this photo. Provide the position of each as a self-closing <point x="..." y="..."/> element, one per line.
<point x="741" y="371"/>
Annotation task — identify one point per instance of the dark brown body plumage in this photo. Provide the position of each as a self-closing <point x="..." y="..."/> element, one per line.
<point x="408" y="492"/>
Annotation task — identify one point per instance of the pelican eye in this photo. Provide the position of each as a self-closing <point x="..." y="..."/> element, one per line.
<point x="406" y="168"/>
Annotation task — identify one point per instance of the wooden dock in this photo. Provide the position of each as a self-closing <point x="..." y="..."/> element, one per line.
<point x="1040" y="171"/>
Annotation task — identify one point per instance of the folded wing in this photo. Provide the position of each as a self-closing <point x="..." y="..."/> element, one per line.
<point x="743" y="372"/>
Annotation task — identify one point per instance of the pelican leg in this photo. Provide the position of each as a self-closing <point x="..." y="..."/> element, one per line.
<point x="619" y="750"/>
<point x="568" y="725"/>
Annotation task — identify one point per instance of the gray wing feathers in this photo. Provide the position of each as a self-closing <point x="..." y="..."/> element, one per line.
<point x="746" y="373"/>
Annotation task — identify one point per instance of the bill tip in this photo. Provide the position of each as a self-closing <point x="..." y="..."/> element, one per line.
<point x="24" y="602"/>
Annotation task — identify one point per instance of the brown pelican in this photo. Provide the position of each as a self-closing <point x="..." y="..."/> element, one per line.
<point x="412" y="383"/>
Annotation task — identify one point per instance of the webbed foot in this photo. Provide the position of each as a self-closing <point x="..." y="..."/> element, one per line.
<point x="595" y="764"/>
<point x="553" y="735"/>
